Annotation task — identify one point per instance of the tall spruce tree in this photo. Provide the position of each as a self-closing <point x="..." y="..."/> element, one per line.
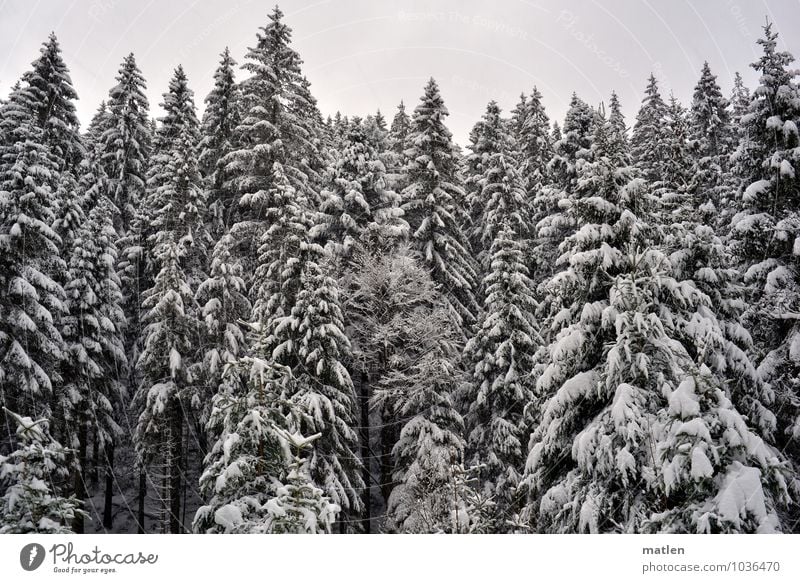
<point x="647" y="141"/>
<point x="31" y="345"/>
<point x="126" y="142"/>
<point x="434" y="189"/>
<point x="221" y="117"/>
<point x="171" y="314"/>
<point x="501" y="354"/>
<point x="764" y="231"/>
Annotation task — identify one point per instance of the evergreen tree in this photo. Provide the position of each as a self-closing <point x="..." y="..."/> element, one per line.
<point x="30" y="504"/>
<point x="171" y="314"/>
<point x="221" y="117"/>
<point x="299" y="507"/>
<point x="711" y="143"/>
<point x="33" y="301"/>
<point x="224" y="303"/>
<point x="45" y="97"/>
<point x="571" y="151"/>
<point x="534" y="143"/>
<point x="430" y="202"/>
<point x="126" y="142"/>
<point x="500" y="195"/>
<point x="624" y="386"/>
<point x="676" y="166"/>
<point x="396" y="140"/>
<point x="764" y="230"/>
<point x="248" y="457"/>
<point x="357" y="208"/>
<point x="647" y="141"/>
<point x="275" y="145"/>
<point x="324" y="394"/>
<point x="429" y="451"/>
<point x="502" y="354"/>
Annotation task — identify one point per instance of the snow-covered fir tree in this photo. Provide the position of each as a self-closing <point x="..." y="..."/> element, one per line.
<point x="221" y="117"/>
<point x="500" y="194"/>
<point x="45" y="97"/>
<point x="501" y="355"/>
<point x="275" y="146"/>
<point x="30" y="503"/>
<point x="433" y="191"/>
<point x="764" y="230"/>
<point x="396" y="140"/>
<point x="127" y="141"/>
<point x="623" y="380"/>
<point x="357" y="208"/>
<point x="248" y="456"/>
<point x="324" y="393"/>
<point x="299" y="507"/>
<point x="223" y="300"/>
<point x="171" y="315"/>
<point x="647" y="140"/>
<point x="711" y="142"/>
<point x="571" y="150"/>
<point x="32" y="301"/>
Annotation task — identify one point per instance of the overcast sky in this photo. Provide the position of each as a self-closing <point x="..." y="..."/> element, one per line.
<point x="361" y="55"/>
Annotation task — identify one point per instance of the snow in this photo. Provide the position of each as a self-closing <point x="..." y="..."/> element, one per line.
<point x="228" y="517"/>
<point x="701" y="465"/>
<point x="794" y="347"/>
<point x="756" y="189"/>
<point x="741" y="497"/>
<point x="683" y="402"/>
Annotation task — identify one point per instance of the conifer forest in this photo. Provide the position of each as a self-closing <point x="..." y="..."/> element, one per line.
<point x="249" y="316"/>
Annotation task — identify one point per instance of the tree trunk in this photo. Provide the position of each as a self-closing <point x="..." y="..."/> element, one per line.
<point x="365" y="458"/>
<point x="78" y="483"/>
<point x="388" y="440"/>
<point x="142" y="494"/>
<point x="108" y="510"/>
<point x="94" y="471"/>
<point x="175" y="470"/>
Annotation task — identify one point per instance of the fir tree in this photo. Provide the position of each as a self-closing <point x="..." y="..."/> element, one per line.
<point x="224" y="303"/>
<point x="396" y="140"/>
<point x="622" y="376"/>
<point x="571" y="151"/>
<point x="647" y="141"/>
<point x="33" y="301"/>
<point x="275" y="145"/>
<point x="358" y="208"/>
<point x="430" y="202"/>
<point x="248" y="457"/>
<point x="221" y="117"/>
<point x="324" y="393"/>
<point x="30" y="503"/>
<point x="46" y="98"/>
<point x="500" y="195"/>
<point x="764" y="232"/>
<point x="126" y="141"/>
<point x="501" y="354"/>
<point x="170" y="318"/>
<point x="299" y="507"/>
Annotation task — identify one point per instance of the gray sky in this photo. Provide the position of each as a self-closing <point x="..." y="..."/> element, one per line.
<point x="361" y="55"/>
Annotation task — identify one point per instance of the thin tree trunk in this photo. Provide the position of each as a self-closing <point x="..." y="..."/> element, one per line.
<point x="365" y="435"/>
<point x="94" y="472"/>
<point x="108" y="510"/>
<point x="176" y="469"/>
<point x="142" y="494"/>
<point x="78" y="483"/>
